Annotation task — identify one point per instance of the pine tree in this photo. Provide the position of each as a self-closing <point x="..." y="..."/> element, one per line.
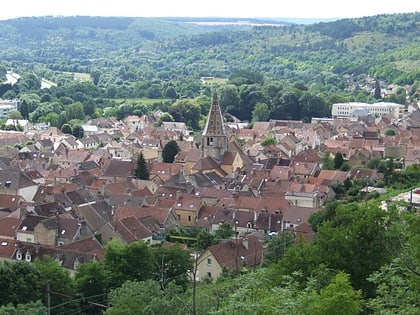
<point x="141" y="171"/>
<point x="338" y="160"/>
<point x="377" y="93"/>
<point x="169" y="151"/>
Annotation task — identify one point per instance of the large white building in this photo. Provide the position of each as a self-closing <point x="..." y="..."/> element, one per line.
<point x="7" y="106"/>
<point x="356" y="109"/>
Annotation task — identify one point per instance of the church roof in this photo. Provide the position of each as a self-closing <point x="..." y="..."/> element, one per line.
<point x="215" y="125"/>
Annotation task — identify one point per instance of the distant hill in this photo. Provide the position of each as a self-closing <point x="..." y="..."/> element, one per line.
<point x="383" y="46"/>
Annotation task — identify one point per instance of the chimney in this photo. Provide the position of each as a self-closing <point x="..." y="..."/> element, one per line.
<point x="245" y="243"/>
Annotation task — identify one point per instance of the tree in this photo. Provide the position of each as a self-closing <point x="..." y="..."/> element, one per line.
<point x="327" y="161"/>
<point x="14" y="115"/>
<point x="390" y="132"/>
<point x="277" y="246"/>
<point x="31" y="308"/>
<point x="338" y="298"/>
<point x="122" y="262"/>
<point x="24" y="109"/>
<point x="61" y="285"/>
<point x="377" y="93"/>
<point x="165" y="117"/>
<point x="66" y="129"/>
<point x="170" y="150"/>
<point x="20" y="282"/>
<point x="338" y="160"/>
<point x="187" y="111"/>
<point x="78" y="131"/>
<point x="91" y="283"/>
<point x="204" y="240"/>
<point x="172" y="265"/>
<point x="225" y="231"/>
<point x="267" y="141"/>
<point x="261" y="112"/>
<point x="146" y="297"/>
<point x="141" y="171"/>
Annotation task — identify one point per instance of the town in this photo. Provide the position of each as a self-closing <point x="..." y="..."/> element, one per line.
<point x="68" y="197"/>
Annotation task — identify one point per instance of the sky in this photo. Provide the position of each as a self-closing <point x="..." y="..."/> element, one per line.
<point x="214" y="8"/>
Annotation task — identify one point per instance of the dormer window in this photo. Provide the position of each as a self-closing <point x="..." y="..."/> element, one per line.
<point x="76" y="264"/>
<point x="28" y="256"/>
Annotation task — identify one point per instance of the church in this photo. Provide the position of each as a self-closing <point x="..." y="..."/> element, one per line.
<point x="219" y="151"/>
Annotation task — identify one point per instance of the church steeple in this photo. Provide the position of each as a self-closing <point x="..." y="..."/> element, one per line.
<point x="214" y="140"/>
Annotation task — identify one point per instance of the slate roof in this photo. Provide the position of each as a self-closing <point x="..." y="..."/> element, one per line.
<point x="247" y="251"/>
<point x="14" y="179"/>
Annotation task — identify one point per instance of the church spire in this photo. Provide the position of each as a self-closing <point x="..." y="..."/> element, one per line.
<point x="214" y="138"/>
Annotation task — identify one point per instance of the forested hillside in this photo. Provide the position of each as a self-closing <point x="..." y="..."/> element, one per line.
<point x="290" y="71"/>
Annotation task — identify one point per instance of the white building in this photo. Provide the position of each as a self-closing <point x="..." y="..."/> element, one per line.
<point x="354" y="109"/>
<point x="7" y="106"/>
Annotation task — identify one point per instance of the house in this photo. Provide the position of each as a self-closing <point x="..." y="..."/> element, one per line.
<point x="16" y="182"/>
<point x="233" y="255"/>
<point x="57" y="231"/>
<point x="9" y="227"/>
<point x="166" y="218"/>
<point x="118" y="168"/>
<point x="69" y="258"/>
<point x="186" y="207"/>
<point x="308" y="195"/>
<point x="131" y="229"/>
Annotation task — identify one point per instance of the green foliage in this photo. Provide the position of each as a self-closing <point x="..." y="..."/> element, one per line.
<point x="170" y="150"/>
<point x="327" y="161"/>
<point x="172" y="265"/>
<point x="267" y="141"/>
<point x="225" y="231"/>
<point x="141" y="171"/>
<point x="338" y="160"/>
<point x="261" y="112"/>
<point x="338" y="298"/>
<point x="91" y="284"/>
<point x="390" y="132"/>
<point x="66" y="129"/>
<point x="186" y="111"/>
<point x="145" y="297"/>
<point x="122" y="262"/>
<point x="204" y="240"/>
<point x="31" y="308"/>
<point x="20" y="283"/>
<point x="277" y="247"/>
<point x="60" y="283"/>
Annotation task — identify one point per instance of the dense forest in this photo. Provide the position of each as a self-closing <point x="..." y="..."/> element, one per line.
<point x="271" y="69"/>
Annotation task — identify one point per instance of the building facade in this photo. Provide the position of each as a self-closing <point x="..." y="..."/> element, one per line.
<point x="353" y="109"/>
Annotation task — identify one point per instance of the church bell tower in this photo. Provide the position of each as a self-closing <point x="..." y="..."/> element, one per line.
<point x="214" y="140"/>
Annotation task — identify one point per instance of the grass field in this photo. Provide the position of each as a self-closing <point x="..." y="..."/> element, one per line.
<point x="143" y="100"/>
<point x="78" y="76"/>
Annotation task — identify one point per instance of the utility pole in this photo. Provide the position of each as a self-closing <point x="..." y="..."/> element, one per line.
<point x="48" y="298"/>
<point x="237" y="248"/>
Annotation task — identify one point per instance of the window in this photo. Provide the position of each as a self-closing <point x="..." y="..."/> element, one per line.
<point x="19" y="255"/>
<point x="189" y="218"/>
<point x="208" y="261"/>
<point x="209" y="274"/>
<point x="28" y="256"/>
